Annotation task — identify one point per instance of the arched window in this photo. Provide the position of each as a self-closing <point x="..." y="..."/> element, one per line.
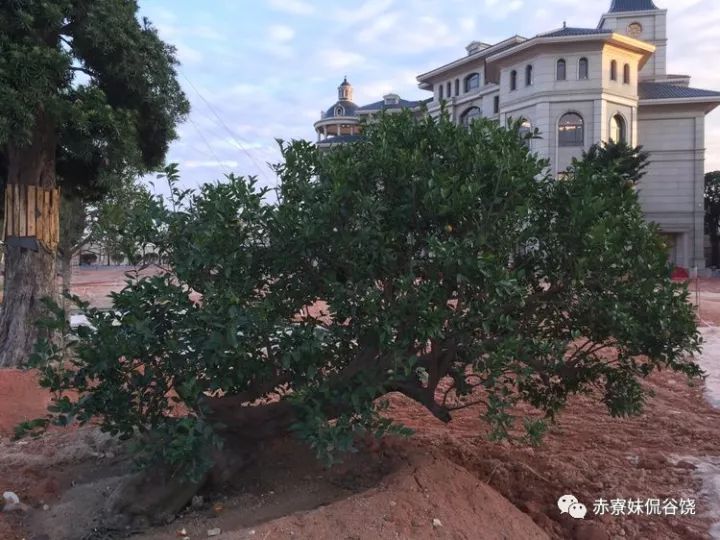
<point x="457" y="87"/>
<point x="513" y="80"/>
<point x="626" y="74"/>
<point x="561" y="70"/>
<point x="571" y="130"/>
<point x="618" y="129"/>
<point x="442" y="90"/>
<point x="449" y="89"/>
<point x="472" y="82"/>
<point x="613" y="70"/>
<point x="528" y="76"/>
<point x="339" y="111"/>
<point x="473" y="113"/>
<point x="583" y="69"/>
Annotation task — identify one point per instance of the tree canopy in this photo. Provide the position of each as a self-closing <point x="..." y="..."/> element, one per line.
<point x="429" y="259"/>
<point x="113" y="95"/>
<point x="88" y="94"/>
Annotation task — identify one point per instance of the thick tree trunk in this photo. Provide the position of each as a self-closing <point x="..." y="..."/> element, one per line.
<point x="66" y="274"/>
<point x="29" y="260"/>
<point x="155" y="497"/>
<point x="28" y="279"/>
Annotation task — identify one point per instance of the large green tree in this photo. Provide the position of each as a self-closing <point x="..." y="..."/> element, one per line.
<point x="712" y="215"/>
<point x="428" y="259"/>
<point x="86" y="90"/>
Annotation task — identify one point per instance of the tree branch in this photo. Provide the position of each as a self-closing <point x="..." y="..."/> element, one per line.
<point x="424" y="396"/>
<point x="66" y="42"/>
<point x="468" y="405"/>
<point x="88" y="72"/>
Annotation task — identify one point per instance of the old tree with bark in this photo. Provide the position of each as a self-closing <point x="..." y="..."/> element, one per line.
<point x="433" y="260"/>
<point x="86" y="92"/>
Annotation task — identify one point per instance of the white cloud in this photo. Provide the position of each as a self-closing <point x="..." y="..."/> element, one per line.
<point x="188" y="55"/>
<point x="281" y="33"/>
<point x="195" y="164"/>
<point x="334" y="59"/>
<point x="296" y="7"/>
<point x="367" y="11"/>
<point x="379" y="27"/>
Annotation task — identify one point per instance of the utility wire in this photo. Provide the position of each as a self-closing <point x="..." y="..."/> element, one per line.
<point x="209" y="146"/>
<point x="233" y="136"/>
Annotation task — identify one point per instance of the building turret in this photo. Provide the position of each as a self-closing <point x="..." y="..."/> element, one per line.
<point x="345" y="91"/>
<point x="643" y="20"/>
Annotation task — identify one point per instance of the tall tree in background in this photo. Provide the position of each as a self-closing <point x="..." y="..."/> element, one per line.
<point x="86" y="90"/>
<point x="712" y="214"/>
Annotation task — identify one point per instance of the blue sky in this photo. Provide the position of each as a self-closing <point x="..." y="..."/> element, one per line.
<point x="256" y="70"/>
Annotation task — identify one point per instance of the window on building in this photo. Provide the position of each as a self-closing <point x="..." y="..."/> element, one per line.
<point x="583" y="69"/>
<point x="626" y="74"/>
<point x="457" y="87"/>
<point x="618" y="129"/>
<point x="442" y="90"/>
<point x="339" y="111"/>
<point x="449" y="90"/>
<point x="528" y="76"/>
<point x="561" y="70"/>
<point x="513" y="80"/>
<point x="496" y="104"/>
<point x="571" y="130"/>
<point x="472" y="82"/>
<point x="473" y="113"/>
<point x="613" y="70"/>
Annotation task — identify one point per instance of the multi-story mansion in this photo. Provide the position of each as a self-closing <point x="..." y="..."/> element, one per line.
<point x="580" y="86"/>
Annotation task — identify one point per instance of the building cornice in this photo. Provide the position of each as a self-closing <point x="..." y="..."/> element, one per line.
<point x="569" y="96"/>
<point x="424" y="78"/>
<point x="613" y="38"/>
<point x="336" y="120"/>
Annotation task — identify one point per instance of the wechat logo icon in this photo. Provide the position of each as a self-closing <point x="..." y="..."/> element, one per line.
<point x="568" y="504"/>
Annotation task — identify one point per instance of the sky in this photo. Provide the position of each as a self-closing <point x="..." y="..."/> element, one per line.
<point x="258" y="70"/>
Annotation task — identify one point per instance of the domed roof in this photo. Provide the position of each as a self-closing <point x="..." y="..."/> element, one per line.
<point x="345" y="82"/>
<point x="341" y="108"/>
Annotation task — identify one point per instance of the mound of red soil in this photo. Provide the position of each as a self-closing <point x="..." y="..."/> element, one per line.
<point x="428" y="498"/>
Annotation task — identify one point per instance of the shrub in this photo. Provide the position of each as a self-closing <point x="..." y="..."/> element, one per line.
<point x="428" y="259"/>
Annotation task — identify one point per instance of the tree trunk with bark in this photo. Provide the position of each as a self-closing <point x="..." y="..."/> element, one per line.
<point x="65" y="259"/>
<point x="29" y="262"/>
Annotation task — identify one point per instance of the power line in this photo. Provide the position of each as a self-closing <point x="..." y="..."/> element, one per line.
<point x="209" y="146"/>
<point x="233" y="136"/>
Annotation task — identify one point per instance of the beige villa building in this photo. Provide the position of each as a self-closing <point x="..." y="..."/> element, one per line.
<point x="580" y="86"/>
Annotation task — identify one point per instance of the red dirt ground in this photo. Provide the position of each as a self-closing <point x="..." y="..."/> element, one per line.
<point x="396" y="490"/>
<point x="21" y="399"/>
